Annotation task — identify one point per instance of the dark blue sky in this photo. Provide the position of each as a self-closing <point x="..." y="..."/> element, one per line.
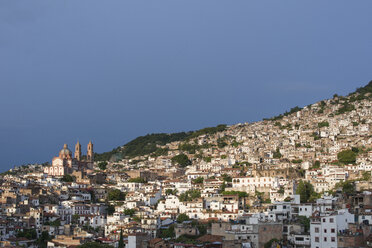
<point x="113" y="70"/>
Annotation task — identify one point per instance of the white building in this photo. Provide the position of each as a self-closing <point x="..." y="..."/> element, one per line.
<point x="324" y="229"/>
<point x="250" y="184"/>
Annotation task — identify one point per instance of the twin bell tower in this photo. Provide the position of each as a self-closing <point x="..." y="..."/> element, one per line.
<point x="90" y="153"/>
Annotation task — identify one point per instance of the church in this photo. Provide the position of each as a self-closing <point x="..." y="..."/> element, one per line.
<point x="66" y="164"/>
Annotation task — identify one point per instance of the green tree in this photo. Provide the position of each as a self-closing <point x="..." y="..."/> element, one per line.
<point x="55" y="223"/>
<point x="355" y="149"/>
<point x="281" y="190"/>
<point x="207" y="159"/>
<point x="110" y="209"/>
<point x="346" y="107"/>
<point x="305" y="222"/>
<point x="315" y="135"/>
<point x="227" y="178"/>
<point x="121" y="240"/>
<point x="167" y="233"/>
<point x="198" y="180"/>
<point x="190" y="148"/>
<point x="67" y="178"/>
<point x="186" y="239"/>
<point x="75" y="219"/>
<point x="277" y="153"/>
<point x="297" y="161"/>
<point x="221" y="143"/>
<point x="43" y="239"/>
<point x="366" y="175"/>
<point x="181" y="160"/>
<point x="171" y="192"/>
<point x="316" y="164"/>
<point x="182" y="217"/>
<point x="160" y="152"/>
<point x="223" y="187"/>
<point x="129" y="212"/>
<point x="136" y="219"/>
<point x="27" y="233"/>
<point x="346" y="157"/>
<point x="347" y="187"/>
<point x="305" y="190"/>
<point x="102" y="165"/>
<point x="189" y="195"/>
<point x="116" y="195"/>
<point x="323" y="124"/>
<point x="269" y="243"/>
<point x="239" y="193"/>
<point x="137" y="180"/>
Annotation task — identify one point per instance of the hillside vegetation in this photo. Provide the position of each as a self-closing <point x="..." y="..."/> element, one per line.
<point x="150" y="143"/>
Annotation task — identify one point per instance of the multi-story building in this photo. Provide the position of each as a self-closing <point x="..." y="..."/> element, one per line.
<point x="325" y="227"/>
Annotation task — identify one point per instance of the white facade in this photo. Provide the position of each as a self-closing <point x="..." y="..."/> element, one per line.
<point x="250" y="184"/>
<point x="324" y="229"/>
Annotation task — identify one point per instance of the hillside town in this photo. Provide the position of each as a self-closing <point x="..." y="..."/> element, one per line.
<point x="300" y="179"/>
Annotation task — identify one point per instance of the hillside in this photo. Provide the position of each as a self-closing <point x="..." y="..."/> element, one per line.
<point x="315" y="122"/>
<point x="150" y="143"/>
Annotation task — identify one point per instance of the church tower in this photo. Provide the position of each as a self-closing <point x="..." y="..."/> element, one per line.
<point x="78" y="151"/>
<point x="90" y="155"/>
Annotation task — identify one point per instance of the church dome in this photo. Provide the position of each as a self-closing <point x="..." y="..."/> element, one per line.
<point x="65" y="152"/>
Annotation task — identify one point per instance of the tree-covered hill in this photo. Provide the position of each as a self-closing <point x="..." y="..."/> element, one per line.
<point x="362" y="92"/>
<point x="149" y="143"/>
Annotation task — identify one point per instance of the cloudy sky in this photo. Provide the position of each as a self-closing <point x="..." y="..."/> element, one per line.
<point x="114" y="70"/>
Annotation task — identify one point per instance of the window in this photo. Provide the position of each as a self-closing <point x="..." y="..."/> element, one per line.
<point x="323" y="219"/>
<point x="316" y="239"/>
<point x="333" y="239"/>
<point x="325" y="239"/>
<point x="331" y="220"/>
<point x="333" y="230"/>
<point x="317" y="229"/>
<point x="325" y="230"/>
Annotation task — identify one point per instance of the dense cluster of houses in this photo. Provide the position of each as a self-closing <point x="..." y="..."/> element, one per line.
<point x="239" y="190"/>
